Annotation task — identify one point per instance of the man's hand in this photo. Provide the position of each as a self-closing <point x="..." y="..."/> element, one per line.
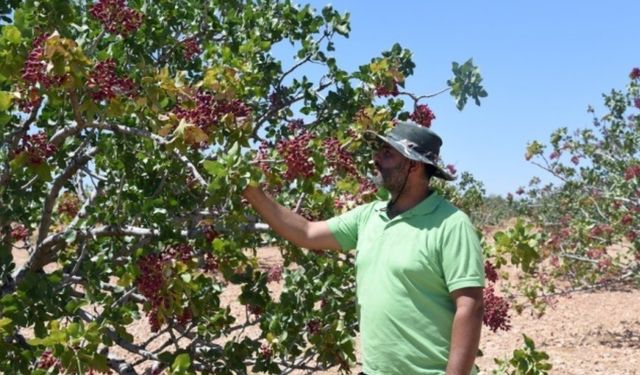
<point x="290" y="225"/>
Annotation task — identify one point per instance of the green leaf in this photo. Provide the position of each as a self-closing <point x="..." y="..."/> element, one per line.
<point x="11" y="34"/>
<point x="73" y="329"/>
<point x="18" y="161"/>
<point x="214" y="168"/>
<point x="55" y="338"/>
<point x="181" y="363"/>
<point x="70" y="236"/>
<point x="5" y="100"/>
<point x="99" y="362"/>
<point x="5" y="326"/>
<point x="43" y="170"/>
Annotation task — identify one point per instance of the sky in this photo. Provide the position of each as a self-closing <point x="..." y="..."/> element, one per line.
<point x="543" y="63"/>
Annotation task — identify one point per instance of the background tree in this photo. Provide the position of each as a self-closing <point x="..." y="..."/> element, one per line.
<point x="582" y="230"/>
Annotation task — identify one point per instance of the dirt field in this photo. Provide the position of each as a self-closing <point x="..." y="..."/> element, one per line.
<point x="588" y="333"/>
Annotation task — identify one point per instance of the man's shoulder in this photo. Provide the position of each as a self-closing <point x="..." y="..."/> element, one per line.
<point x="362" y="211"/>
<point x="450" y="213"/>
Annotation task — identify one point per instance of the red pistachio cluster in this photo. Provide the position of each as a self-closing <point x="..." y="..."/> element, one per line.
<point x="575" y="159"/>
<point x="635" y="73"/>
<point x="337" y="157"/>
<point x="496" y="310"/>
<point x="313" y="326"/>
<point x="297" y="156"/>
<point x="190" y="48"/>
<point x="19" y="232"/>
<point x="47" y="361"/>
<point x="274" y="274"/>
<point x="262" y="156"/>
<point x="265" y="351"/>
<point x="211" y="263"/>
<point x="116" y="16"/>
<point x="423" y="115"/>
<point x="382" y="90"/>
<point x="209" y="232"/>
<point x="35" y="75"/>
<point x="632" y="172"/>
<point x="490" y="272"/>
<point x="631" y="235"/>
<point x="254" y="310"/>
<point x="69" y="204"/>
<point x="35" y="68"/>
<point x="278" y="97"/>
<point x="209" y="110"/>
<point x="105" y="83"/>
<point x="600" y="230"/>
<point x="152" y="282"/>
<point x="37" y="148"/>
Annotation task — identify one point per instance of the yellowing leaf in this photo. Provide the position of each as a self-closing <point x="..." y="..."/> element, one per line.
<point x="165" y="130"/>
<point x="193" y="135"/>
<point x="190" y="133"/>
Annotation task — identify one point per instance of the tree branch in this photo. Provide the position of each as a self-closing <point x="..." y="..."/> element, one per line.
<point x="76" y="162"/>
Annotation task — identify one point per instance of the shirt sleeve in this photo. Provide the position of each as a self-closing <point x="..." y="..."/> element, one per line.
<point x="345" y="227"/>
<point x="462" y="260"/>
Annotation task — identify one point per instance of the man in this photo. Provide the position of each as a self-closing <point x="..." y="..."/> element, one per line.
<point x="419" y="267"/>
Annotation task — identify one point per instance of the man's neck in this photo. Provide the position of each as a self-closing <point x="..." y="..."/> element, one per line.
<point x="408" y="199"/>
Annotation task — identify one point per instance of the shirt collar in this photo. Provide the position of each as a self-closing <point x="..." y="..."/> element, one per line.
<point x="425" y="207"/>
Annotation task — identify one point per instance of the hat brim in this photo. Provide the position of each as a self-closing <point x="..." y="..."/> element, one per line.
<point x="370" y="136"/>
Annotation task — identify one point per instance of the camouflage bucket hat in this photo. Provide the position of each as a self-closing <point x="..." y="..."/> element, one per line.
<point x="414" y="142"/>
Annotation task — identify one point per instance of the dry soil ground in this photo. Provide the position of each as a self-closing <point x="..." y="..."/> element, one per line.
<point x="587" y="333"/>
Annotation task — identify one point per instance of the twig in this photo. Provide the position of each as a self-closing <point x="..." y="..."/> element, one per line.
<point x="416" y="99"/>
<point x="76" y="162"/>
<point x="12" y="141"/>
<point x="128" y="346"/>
<point x="299" y="203"/>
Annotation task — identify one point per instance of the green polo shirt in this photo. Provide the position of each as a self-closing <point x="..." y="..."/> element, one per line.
<point x="405" y="269"/>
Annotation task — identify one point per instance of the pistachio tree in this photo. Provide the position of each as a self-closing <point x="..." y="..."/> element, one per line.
<point x="129" y="130"/>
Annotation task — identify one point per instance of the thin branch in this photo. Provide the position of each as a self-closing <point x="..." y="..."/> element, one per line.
<point x="267" y="115"/>
<point x="427" y="96"/>
<point x="12" y="141"/>
<point x="120" y="366"/>
<point x="298" y="64"/>
<point x="548" y="169"/>
<point x="121" y="342"/>
<point x="76" y="162"/>
<point x="75" y="107"/>
<point x="299" y="203"/>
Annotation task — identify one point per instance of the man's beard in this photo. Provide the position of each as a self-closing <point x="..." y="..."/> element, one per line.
<point x="392" y="179"/>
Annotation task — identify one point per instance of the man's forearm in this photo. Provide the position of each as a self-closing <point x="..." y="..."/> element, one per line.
<point x="465" y="338"/>
<point x="282" y="220"/>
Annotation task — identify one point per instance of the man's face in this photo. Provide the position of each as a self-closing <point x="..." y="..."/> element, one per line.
<point x="391" y="168"/>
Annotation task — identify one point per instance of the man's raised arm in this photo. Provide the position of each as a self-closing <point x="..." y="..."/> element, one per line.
<point x="290" y="225"/>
